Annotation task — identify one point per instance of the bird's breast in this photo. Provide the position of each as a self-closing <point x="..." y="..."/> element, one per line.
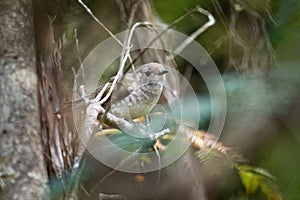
<point x="138" y="103"/>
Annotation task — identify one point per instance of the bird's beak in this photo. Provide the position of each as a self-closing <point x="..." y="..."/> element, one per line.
<point x="161" y="72"/>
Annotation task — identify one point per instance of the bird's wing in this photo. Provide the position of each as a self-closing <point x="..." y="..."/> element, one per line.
<point x="124" y="87"/>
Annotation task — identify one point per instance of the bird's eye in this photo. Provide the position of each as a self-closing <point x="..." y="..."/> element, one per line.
<point x="147" y="73"/>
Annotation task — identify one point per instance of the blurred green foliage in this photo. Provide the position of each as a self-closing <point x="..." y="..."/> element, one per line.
<point x="250" y="99"/>
<point x="273" y="145"/>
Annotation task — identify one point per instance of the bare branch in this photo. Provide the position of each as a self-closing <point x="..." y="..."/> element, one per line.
<point x="211" y="21"/>
<point x="198" y="32"/>
<point x="99" y="22"/>
<point x="111" y="197"/>
<point x="126" y="52"/>
<point x="79" y="53"/>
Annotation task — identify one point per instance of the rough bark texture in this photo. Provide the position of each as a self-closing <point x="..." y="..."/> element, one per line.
<point x="22" y="171"/>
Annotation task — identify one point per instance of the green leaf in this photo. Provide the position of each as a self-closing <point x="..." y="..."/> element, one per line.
<point x="254" y="178"/>
<point x="250" y="180"/>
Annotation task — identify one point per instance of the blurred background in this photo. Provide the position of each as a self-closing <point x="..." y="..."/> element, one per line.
<point x="254" y="44"/>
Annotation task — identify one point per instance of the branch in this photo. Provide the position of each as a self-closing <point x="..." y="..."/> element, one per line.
<point x="111" y="197"/>
<point x="99" y="22"/>
<point x="211" y="21"/>
<point x="126" y="51"/>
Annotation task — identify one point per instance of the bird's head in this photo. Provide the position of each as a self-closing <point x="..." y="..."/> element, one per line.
<point x="151" y="72"/>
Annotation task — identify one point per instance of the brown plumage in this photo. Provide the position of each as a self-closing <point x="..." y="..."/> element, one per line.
<point x="135" y="95"/>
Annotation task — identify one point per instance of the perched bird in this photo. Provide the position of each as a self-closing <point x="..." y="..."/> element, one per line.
<point x="136" y="94"/>
<point x="142" y="91"/>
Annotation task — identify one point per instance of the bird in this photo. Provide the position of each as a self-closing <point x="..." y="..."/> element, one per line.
<point x="143" y="89"/>
<point x="135" y="95"/>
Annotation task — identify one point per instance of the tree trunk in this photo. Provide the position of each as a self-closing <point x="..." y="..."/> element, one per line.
<point x="23" y="175"/>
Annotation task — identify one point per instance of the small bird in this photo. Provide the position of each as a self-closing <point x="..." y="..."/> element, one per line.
<point x="143" y="89"/>
<point x="137" y="93"/>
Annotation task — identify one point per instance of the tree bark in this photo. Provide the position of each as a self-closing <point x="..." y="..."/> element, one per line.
<point x="22" y="171"/>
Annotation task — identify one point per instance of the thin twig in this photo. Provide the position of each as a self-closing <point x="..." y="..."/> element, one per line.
<point x="99" y="22"/>
<point x="104" y="27"/>
<point x="111" y="196"/>
<point x="211" y="21"/>
<point x="159" y="162"/>
<point x="221" y="14"/>
<point x="100" y="94"/>
<point x="169" y="26"/>
<point x="132" y="13"/>
<point x="123" y="60"/>
<point x="79" y="53"/>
